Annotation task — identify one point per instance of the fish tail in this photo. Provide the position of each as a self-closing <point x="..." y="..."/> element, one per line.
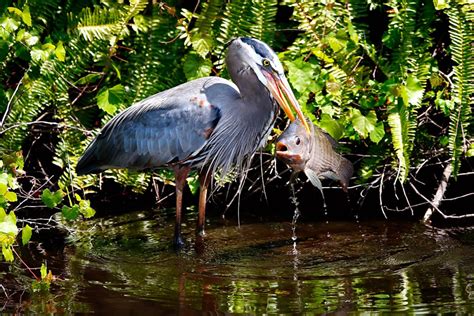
<point x="344" y="172"/>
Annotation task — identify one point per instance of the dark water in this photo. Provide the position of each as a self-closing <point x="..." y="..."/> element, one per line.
<point x="125" y="265"/>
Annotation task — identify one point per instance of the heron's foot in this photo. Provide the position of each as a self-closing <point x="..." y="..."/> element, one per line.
<point x="178" y="242"/>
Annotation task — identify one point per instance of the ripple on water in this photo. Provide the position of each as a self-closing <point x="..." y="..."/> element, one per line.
<point x="258" y="268"/>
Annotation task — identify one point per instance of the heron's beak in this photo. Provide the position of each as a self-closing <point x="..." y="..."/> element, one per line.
<point x="281" y="91"/>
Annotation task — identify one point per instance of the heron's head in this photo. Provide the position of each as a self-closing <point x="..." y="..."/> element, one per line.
<point x="250" y="56"/>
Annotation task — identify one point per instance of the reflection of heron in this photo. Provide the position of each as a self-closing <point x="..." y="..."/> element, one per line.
<point x="208" y="124"/>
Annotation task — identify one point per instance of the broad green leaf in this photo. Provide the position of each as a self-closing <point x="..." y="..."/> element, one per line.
<point x="196" y="67"/>
<point x="11" y="196"/>
<point x="15" y="10"/>
<point x="109" y="99"/>
<point x="470" y="151"/>
<point x="363" y="124"/>
<point x="9" y="25"/>
<point x="440" y="4"/>
<point x="25" y="16"/>
<point x="3" y="188"/>
<point x="7" y="253"/>
<point x="8" y="227"/>
<point x="301" y="75"/>
<point x="414" y="90"/>
<point x="60" y="52"/>
<point x="50" y="199"/>
<point x="26" y="234"/>
<point x="377" y="133"/>
<point x="85" y="209"/>
<point x="331" y="126"/>
<point x="70" y="213"/>
<point x="2" y="214"/>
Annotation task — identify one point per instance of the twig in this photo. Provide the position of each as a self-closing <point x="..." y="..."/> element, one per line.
<point x="7" y="110"/>
<point x="26" y="266"/>
<point x="380" y="194"/>
<point x="439" y="193"/>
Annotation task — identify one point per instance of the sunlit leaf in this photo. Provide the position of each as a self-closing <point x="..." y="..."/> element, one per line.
<point x="85" y="209"/>
<point x="25" y="16"/>
<point x="331" y="126"/>
<point x="363" y="124"/>
<point x="26" y="234"/>
<point x="50" y="199"/>
<point x="60" y="52"/>
<point x="11" y="196"/>
<point x="7" y="253"/>
<point x="377" y="133"/>
<point x="414" y="90"/>
<point x="43" y="271"/>
<point x="70" y="213"/>
<point x="110" y="99"/>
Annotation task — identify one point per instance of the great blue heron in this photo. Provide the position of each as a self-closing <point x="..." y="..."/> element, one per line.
<point x="209" y="124"/>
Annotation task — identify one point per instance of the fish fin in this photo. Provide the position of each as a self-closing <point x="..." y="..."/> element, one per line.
<point x="314" y="179"/>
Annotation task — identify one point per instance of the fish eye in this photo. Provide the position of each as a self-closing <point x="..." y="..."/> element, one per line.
<point x="298" y="141"/>
<point x="266" y="62"/>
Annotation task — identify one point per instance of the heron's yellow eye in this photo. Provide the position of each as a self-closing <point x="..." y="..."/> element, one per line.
<point x="265" y="62"/>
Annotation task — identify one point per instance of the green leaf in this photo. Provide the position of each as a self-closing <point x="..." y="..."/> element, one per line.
<point x="363" y="124"/>
<point x="3" y="188"/>
<point x="25" y="16"/>
<point x="414" y="91"/>
<point x="85" y="208"/>
<point x="331" y="126"/>
<point x="50" y="199"/>
<point x="470" y="151"/>
<point x="109" y="99"/>
<point x="70" y="213"/>
<point x="377" y="133"/>
<point x="8" y="227"/>
<point x="302" y="75"/>
<point x="193" y="183"/>
<point x="7" y="253"/>
<point x="11" y="196"/>
<point x="26" y="234"/>
<point x="15" y="10"/>
<point x="43" y="271"/>
<point x="440" y="4"/>
<point x="196" y="67"/>
<point x="60" y="52"/>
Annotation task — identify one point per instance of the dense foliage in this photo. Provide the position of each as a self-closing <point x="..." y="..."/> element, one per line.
<point x="391" y="79"/>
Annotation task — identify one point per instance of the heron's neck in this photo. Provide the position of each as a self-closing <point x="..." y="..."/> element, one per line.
<point x="256" y="96"/>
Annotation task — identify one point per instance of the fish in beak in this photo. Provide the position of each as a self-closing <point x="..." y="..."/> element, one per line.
<point x="281" y="91"/>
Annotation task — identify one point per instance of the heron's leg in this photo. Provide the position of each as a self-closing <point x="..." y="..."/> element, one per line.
<point x="204" y="180"/>
<point x="180" y="178"/>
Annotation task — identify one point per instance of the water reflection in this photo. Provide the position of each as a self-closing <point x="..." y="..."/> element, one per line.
<point x="126" y="264"/>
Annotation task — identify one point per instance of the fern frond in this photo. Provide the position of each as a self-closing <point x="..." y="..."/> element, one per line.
<point x="461" y="30"/>
<point x="398" y="120"/>
<point x="246" y="18"/>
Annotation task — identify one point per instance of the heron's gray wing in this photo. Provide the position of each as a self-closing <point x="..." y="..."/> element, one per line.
<point x="152" y="133"/>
